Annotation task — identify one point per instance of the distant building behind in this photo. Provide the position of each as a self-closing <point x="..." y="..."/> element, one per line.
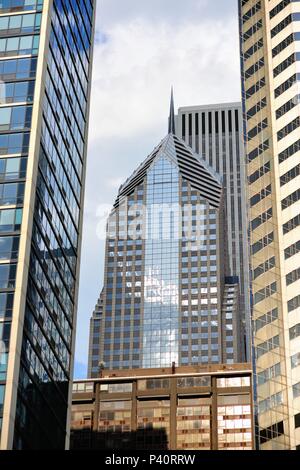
<point x="215" y="132"/>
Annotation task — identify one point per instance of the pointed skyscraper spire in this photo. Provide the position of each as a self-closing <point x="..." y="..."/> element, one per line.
<point x="172" y="115"/>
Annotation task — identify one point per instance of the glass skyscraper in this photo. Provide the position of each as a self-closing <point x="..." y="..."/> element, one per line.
<point x="164" y="280"/>
<point x="270" y="55"/>
<point x="45" y="73"/>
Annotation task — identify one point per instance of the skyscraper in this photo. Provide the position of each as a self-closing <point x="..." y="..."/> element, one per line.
<point x="269" y="38"/>
<point x="45" y="72"/>
<point x="164" y="281"/>
<point x="215" y="132"/>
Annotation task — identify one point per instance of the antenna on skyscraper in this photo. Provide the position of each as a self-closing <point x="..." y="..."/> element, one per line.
<point x="172" y="115"/>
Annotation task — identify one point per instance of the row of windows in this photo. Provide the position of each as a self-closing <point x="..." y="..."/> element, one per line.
<point x="256" y="47"/>
<point x="294" y="331"/>
<point x="254" y="68"/>
<point x="258" y="150"/>
<point x="292" y="250"/>
<point x="257" y="129"/>
<point x="260" y="244"/>
<point x="293" y="276"/>
<point x="20" y="24"/>
<point x="264" y="293"/>
<point x="15" y="118"/>
<point x="286" y="130"/>
<point x="270" y="402"/>
<point x="12" y="168"/>
<point x="14" y="69"/>
<point x="286" y="85"/>
<point x="255" y="109"/>
<point x="282" y="25"/>
<point x="259" y="173"/>
<point x="264" y="267"/>
<point x="23" y="45"/>
<point x="286" y="107"/>
<point x="291" y="224"/>
<point x="261" y="219"/>
<point x="290" y="175"/>
<point x="267" y="346"/>
<point x="265" y="319"/>
<point x="252" y="11"/>
<point x="285" y="43"/>
<point x="252" y="30"/>
<point x="20" y="5"/>
<point x="293" y="303"/>
<point x="291" y="199"/>
<point x="287" y="153"/>
<point x="260" y="196"/>
<point x="279" y="8"/>
<point x="286" y="63"/>
<point x="255" y="88"/>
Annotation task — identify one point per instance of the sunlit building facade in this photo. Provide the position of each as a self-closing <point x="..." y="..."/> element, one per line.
<point x="185" y="408"/>
<point x="45" y="73"/>
<point x="270" y="54"/>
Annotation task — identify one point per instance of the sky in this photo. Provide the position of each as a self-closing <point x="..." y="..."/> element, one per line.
<point x="142" y="48"/>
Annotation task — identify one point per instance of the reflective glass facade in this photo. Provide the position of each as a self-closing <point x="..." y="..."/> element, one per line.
<point x="164" y="279"/>
<point x="45" y="115"/>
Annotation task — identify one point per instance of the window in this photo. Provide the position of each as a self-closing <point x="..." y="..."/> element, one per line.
<point x="291" y="224"/>
<point x="279" y="8"/>
<point x="286" y="130"/>
<point x="255" y="88"/>
<point x="294" y="331"/>
<point x="264" y="293"/>
<point x="285" y="43"/>
<point x="287" y="106"/>
<point x="6" y="305"/>
<point x="290" y="175"/>
<point x="260" y="196"/>
<point x="270" y="402"/>
<point x="255" y="109"/>
<point x="10" y="220"/>
<point x="18" y="68"/>
<point x="287" y="84"/>
<point x="260" y="172"/>
<point x="260" y="244"/>
<point x="297" y="420"/>
<point x="294" y="303"/>
<point x="258" y="150"/>
<point x="296" y="390"/>
<point x="252" y="11"/>
<point x="286" y="63"/>
<point x="267" y="346"/>
<point x="262" y="218"/>
<point x="264" y="267"/>
<point x="290" y="200"/>
<point x="295" y="360"/>
<point x="292" y="250"/>
<point x="291" y="150"/>
<point x="9" y="247"/>
<point x="257" y="129"/>
<point x="12" y="168"/>
<point x="15" y="118"/>
<point x="265" y="319"/>
<point x="19" y="45"/>
<point x="256" y="47"/>
<point x="272" y="432"/>
<point x="20" y="5"/>
<point x="280" y="26"/>
<point x="293" y="276"/>
<point x="252" y="30"/>
<point x="254" y="68"/>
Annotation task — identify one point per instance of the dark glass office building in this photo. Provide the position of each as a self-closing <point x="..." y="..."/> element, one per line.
<point x="45" y="73"/>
